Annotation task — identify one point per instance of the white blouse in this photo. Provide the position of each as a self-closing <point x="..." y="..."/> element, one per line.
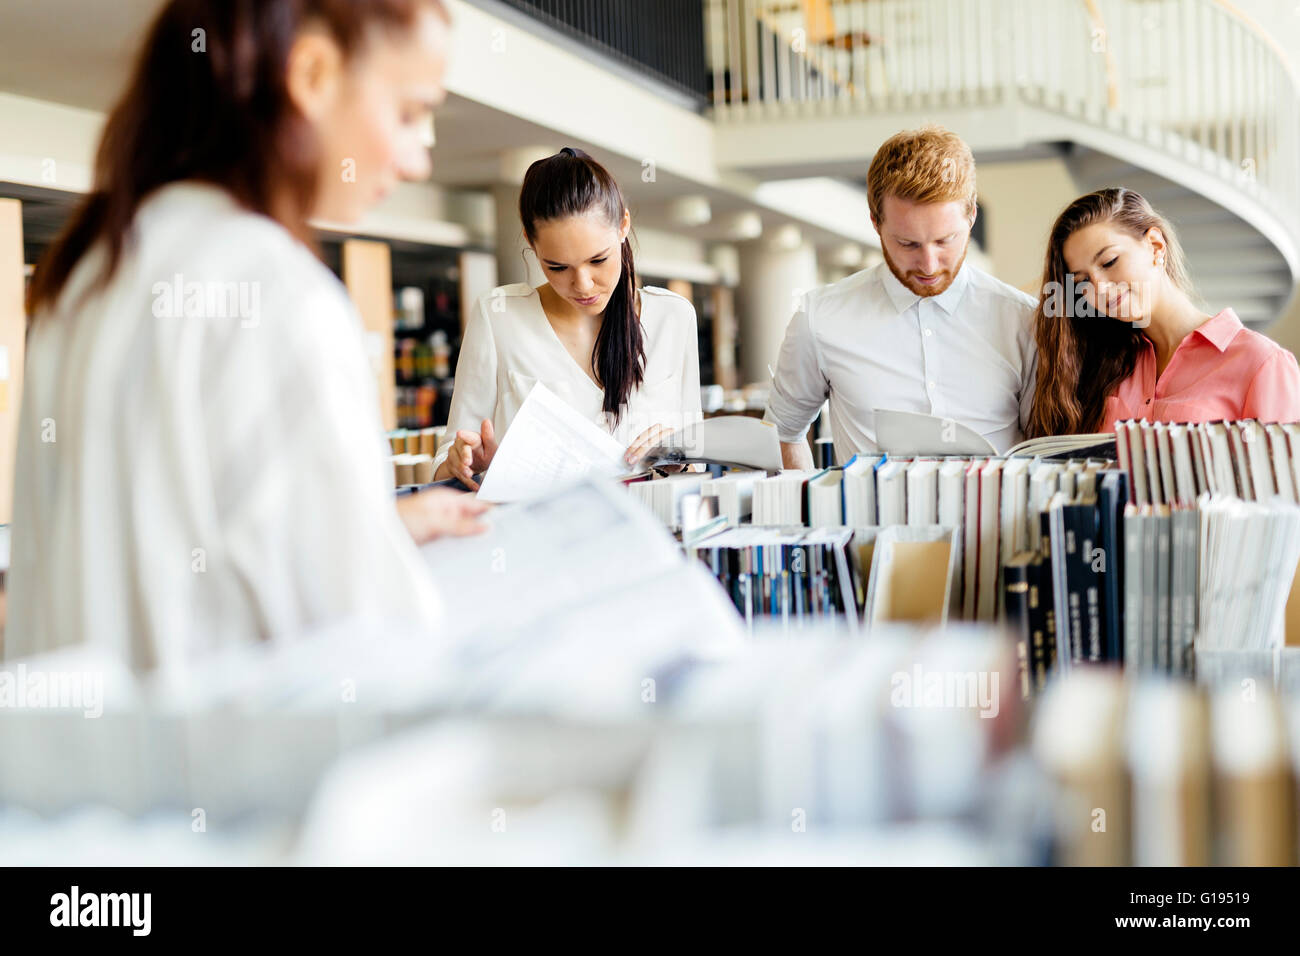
<point x="200" y="455"/>
<point x="509" y="346"/>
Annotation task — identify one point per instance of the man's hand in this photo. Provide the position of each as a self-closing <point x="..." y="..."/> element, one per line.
<point x="470" y="454"/>
<point x="441" y="511"/>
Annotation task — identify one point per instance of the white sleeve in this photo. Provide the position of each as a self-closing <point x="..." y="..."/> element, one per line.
<point x="304" y="495"/>
<point x="799" y="386"/>
<point x="692" y="410"/>
<point x="1028" y="379"/>
<point x="474" y="397"/>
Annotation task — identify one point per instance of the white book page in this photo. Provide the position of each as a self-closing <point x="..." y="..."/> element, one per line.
<point x="915" y="433"/>
<point x="547" y="447"/>
<point x="594" y="531"/>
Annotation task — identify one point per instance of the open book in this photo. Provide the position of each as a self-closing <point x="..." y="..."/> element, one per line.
<point x="902" y="433"/>
<point x="550" y="446"/>
<point x="739" y="441"/>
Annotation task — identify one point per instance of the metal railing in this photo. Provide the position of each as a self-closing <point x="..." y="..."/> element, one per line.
<point x="1192" y="78"/>
<point x="660" y="38"/>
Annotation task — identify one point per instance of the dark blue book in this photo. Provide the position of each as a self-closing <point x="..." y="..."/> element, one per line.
<point x="1112" y="493"/>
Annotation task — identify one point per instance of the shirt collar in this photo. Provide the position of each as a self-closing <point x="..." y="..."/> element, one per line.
<point x="1220" y="330"/>
<point x="904" y="298"/>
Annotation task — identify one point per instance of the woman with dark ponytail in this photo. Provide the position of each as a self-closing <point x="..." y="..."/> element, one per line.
<point x="624" y="357"/>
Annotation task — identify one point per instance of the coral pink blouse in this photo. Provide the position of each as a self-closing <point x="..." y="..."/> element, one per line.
<point x="1221" y="370"/>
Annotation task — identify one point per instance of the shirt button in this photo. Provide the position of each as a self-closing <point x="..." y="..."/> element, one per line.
<point x="929" y="332"/>
<point x="1148" y="401"/>
<point x="930" y="385"/>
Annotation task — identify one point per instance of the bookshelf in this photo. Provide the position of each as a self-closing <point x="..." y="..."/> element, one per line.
<point x="1186" y="569"/>
<point x="367" y="273"/>
<point x="427" y="291"/>
<point x="715" y="315"/>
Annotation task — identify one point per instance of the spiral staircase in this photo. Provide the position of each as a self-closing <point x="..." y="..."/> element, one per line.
<point x="1186" y="101"/>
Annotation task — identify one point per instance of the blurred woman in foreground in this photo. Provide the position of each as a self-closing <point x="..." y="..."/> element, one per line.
<point x="200" y="457"/>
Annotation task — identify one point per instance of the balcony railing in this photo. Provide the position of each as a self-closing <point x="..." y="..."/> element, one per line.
<point x="663" y="39"/>
<point x="1192" y="78"/>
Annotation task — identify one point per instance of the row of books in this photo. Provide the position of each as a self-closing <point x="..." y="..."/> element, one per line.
<point x="1146" y="586"/>
<point x="1251" y="552"/>
<point x="1085" y="562"/>
<point x="993" y="504"/>
<point x="1173" y="464"/>
<point x="793" y="574"/>
<point x="1063" y="591"/>
<point x="1209" y="537"/>
<point x="1161" y="561"/>
<point x="800" y="576"/>
<point x="1091" y="580"/>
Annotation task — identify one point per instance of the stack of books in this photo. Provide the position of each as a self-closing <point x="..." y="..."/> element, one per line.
<point x="1184" y="545"/>
<point x="1173" y="464"/>
<point x="794" y="575"/>
<point x="992" y="504"/>
<point x="1207" y="532"/>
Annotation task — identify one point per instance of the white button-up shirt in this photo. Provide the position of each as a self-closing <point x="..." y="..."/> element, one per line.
<point x="510" y="346"/>
<point x="200" y="456"/>
<point x="867" y="342"/>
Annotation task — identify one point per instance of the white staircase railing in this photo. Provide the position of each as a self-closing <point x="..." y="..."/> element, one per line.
<point x="1191" y="78"/>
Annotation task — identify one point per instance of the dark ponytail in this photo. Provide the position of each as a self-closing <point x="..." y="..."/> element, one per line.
<point x="571" y="183"/>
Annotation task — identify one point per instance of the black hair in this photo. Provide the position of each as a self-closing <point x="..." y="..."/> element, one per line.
<point x="571" y="183"/>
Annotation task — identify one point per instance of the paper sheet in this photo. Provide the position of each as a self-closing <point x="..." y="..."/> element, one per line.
<point x="547" y="447"/>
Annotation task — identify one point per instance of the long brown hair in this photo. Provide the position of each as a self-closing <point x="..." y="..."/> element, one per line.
<point x="1082" y="355"/>
<point x="208" y="101"/>
<point x="571" y="183"/>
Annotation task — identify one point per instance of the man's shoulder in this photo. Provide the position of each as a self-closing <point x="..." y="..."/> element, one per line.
<point x="848" y="288"/>
<point x="986" y="285"/>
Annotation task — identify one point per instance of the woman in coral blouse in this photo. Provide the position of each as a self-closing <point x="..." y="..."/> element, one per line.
<point x="1119" y="335"/>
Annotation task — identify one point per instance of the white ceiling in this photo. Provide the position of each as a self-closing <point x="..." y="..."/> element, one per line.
<point x="76" y="52"/>
<point x="79" y="53"/>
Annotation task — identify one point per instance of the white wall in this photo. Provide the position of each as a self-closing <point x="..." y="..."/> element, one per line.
<point x="47" y="145"/>
<point x="1020" y="201"/>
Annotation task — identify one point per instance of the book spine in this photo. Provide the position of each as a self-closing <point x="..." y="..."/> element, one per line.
<point x="1110" y="510"/>
<point x="1060" y="590"/>
<point x="1162" y="593"/>
<point x="1047" y="591"/>
<point x="1147" y="660"/>
<point x="1132" y="534"/>
<point x="1177" y="581"/>
<point x="1073" y="586"/>
<point x="1051" y="644"/>
<point x="1016" y="586"/>
<point x="1037" y="608"/>
<point x="1088" y="571"/>
<point x="1191" y="570"/>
